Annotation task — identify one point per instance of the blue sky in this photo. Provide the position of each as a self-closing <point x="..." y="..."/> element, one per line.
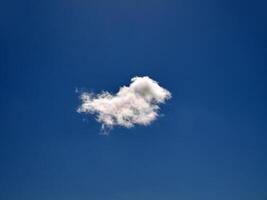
<point x="211" y="142"/>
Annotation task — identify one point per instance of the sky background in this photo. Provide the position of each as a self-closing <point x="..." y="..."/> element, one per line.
<point x="211" y="143"/>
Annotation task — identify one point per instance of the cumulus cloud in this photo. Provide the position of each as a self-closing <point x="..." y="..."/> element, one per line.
<point x="137" y="103"/>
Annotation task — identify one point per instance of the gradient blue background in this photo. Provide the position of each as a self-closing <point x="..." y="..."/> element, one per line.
<point x="211" y="143"/>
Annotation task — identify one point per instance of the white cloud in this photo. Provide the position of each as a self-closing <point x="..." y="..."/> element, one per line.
<point x="133" y="104"/>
